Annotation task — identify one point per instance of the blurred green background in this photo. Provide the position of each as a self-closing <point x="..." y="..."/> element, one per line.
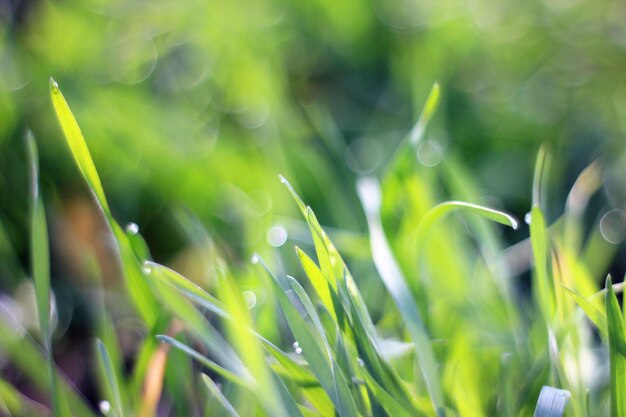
<point x="197" y="106"/>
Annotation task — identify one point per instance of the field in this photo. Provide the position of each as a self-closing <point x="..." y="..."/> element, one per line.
<point x="322" y="209"/>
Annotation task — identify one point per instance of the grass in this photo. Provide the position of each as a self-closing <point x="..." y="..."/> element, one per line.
<point x="435" y="327"/>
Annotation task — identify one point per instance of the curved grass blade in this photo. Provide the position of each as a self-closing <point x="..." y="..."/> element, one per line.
<point x="369" y="192"/>
<point x="617" y="352"/>
<point x="440" y="211"/>
<point x="109" y="378"/>
<point x="551" y="402"/>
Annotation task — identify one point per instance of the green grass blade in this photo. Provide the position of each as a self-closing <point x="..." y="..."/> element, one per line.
<point x="40" y="259"/>
<point x="317" y="280"/>
<point x="109" y="378"/>
<point x="388" y="402"/>
<point x="389" y="271"/>
<point x="217" y="393"/>
<point x="617" y="352"/>
<point x="40" y="254"/>
<point x="77" y="145"/>
<point x="243" y="381"/>
<point x="597" y="317"/>
<point x="539" y="244"/>
<point x="551" y="402"/>
<point x="315" y="351"/>
<point x="429" y="109"/>
<point x="137" y="287"/>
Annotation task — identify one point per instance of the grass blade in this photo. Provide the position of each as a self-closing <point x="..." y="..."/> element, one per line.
<point x="109" y="378"/>
<point x="139" y="290"/>
<point x="617" y="352"/>
<point x="370" y="195"/>
<point x="217" y="393"/>
<point x="551" y="402"/>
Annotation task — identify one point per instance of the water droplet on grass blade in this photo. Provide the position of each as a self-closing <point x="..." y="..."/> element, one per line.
<point x="146" y="269"/>
<point x="255" y="259"/>
<point x="104" y="407"/>
<point x="132" y="228"/>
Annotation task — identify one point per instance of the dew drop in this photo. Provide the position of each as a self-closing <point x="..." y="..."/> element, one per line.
<point x="296" y="347"/>
<point x="146" y="269"/>
<point x="255" y="259"/>
<point x="104" y="406"/>
<point x="360" y="362"/>
<point x="132" y="228"/>
<point x="527" y="217"/>
<point x="54" y="85"/>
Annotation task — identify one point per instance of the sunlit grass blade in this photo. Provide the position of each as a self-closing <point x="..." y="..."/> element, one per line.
<point x="77" y="144"/>
<point x="109" y="378"/>
<point x="388" y="269"/>
<point x="138" y="288"/>
<point x="540" y="250"/>
<point x="217" y="393"/>
<point x="617" y="352"/>
<point x="440" y="211"/>
<point x="317" y="281"/>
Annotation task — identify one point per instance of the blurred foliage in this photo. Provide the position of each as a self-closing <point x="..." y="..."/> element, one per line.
<point x="191" y="110"/>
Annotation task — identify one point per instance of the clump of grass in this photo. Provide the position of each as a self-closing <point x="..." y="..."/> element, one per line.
<point x="452" y="339"/>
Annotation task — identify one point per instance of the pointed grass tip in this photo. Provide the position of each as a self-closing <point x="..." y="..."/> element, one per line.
<point x="54" y="86"/>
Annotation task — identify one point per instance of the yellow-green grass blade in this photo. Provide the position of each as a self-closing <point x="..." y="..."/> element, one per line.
<point x="388" y="269"/>
<point x="139" y="290"/>
<point x="404" y="156"/>
<point x="317" y="280"/>
<point x="442" y="210"/>
<point x="617" y="352"/>
<point x="77" y="145"/>
<point x="551" y="402"/>
<point x="108" y="378"/>
<point x="540" y="250"/>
